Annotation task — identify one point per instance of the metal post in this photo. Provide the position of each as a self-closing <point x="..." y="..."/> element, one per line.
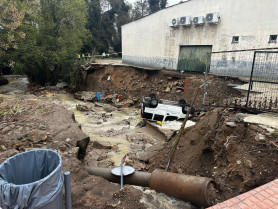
<point x="205" y="79"/>
<point x="67" y="190"/>
<point x="122" y="173"/>
<point x="251" y="77"/>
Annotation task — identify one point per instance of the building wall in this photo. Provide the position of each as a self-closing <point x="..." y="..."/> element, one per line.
<point x="151" y="42"/>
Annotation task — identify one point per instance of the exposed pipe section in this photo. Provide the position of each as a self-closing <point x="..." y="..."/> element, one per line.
<point x="137" y="178"/>
<point x="189" y="188"/>
<point x="67" y="190"/>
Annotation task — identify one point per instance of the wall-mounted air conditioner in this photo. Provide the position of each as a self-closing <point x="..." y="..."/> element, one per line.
<point x="174" y="22"/>
<point x="198" y="20"/>
<point x="212" y="17"/>
<point x="185" y="21"/>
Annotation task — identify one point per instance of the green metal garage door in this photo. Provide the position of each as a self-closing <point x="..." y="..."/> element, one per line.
<point x="193" y="58"/>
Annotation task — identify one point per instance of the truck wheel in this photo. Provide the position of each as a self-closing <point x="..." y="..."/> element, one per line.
<point x="152" y="96"/>
<point x="153" y="103"/>
<point x="182" y="102"/>
<point x="186" y="107"/>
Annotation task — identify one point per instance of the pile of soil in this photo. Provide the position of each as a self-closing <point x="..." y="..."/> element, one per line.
<point x="237" y="155"/>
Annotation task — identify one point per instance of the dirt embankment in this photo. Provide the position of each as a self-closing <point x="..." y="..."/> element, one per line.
<point x="237" y="155"/>
<point x="133" y="83"/>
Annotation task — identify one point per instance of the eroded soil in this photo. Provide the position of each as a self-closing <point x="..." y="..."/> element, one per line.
<point x="239" y="156"/>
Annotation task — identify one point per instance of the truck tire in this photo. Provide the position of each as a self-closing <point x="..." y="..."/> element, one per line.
<point x="153" y="103"/>
<point x="186" y="107"/>
<point x="182" y="102"/>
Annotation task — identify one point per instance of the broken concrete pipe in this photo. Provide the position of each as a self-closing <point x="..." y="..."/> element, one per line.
<point x="192" y="189"/>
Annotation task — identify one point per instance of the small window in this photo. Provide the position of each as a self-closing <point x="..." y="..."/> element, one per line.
<point x="272" y="39"/>
<point x="158" y="117"/>
<point x="235" y="39"/>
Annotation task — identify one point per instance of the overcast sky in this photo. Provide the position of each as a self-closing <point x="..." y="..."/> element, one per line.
<point x="170" y="2"/>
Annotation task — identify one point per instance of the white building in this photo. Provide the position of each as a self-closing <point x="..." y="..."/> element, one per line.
<point x="160" y="40"/>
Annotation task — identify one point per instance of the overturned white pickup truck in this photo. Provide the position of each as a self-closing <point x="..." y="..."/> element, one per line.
<point x="160" y="110"/>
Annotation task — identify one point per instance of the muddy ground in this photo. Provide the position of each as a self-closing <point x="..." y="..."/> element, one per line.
<point x="237" y="155"/>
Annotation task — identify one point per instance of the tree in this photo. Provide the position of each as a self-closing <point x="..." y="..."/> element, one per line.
<point x="140" y="9"/>
<point x="53" y="37"/>
<point x="12" y="14"/>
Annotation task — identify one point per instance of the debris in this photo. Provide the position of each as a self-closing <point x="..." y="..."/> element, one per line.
<point x="248" y="163"/>
<point x="168" y="89"/>
<point x="101" y="145"/>
<point x="141" y="124"/>
<point x="6" y="130"/>
<point x="231" y="124"/>
<point x="150" y="152"/>
<point x="239" y="117"/>
<point x="62" y="85"/>
<point x="120" y="98"/>
<point x="260" y="137"/>
<point x="98" y="104"/>
<point x="82" y="108"/>
<point x="42" y="127"/>
<point x="3" y="148"/>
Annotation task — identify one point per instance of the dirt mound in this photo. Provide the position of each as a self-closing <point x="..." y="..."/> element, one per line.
<point x="238" y="156"/>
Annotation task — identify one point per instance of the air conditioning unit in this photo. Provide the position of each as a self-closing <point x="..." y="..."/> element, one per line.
<point x="185" y="21"/>
<point x="212" y="17"/>
<point x="174" y="22"/>
<point x="198" y="20"/>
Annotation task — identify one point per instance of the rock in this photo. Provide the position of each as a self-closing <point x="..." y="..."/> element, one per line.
<point x="37" y="136"/>
<point x="114" y="148"/>
<point x="109" y="109"/>
<point x="239" y="117"/>
<point x="248" y="163"/>
<point x="150" y="152"/>
<point x="82" y="108"/>
<point x="106" y="163"/>
<point x="3" y="148"/>
<point x="3" y="81"/>
<point x="231" y="124"/>
<point x="68" y="140"/>
<point x="135" y="99"/>
<point x="178" y="91"/>
<point x="238" y="162"/>
<point x="102" y="157"/>
<point x="11" y="152"/>
<point x="260" y="137"/>
<point x="74" y="150"/>
<point x="6" y="130"/>
<point x="168" y="89"/>
<point x="42" y="127"/>
<point x="98" y="104"/>
<point x="128" y="103"/>
<point x="62" y="85"/>
<point x="101" y="145"/>
<point x="63" y="147"/>
<point x="141" y="124"/>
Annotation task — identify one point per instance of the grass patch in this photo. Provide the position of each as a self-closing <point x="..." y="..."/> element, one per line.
<point x="14" y="110"/>
<point x="39" y="111"/>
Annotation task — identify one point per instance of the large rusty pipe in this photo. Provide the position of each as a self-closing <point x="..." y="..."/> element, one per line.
<point x="137" y="178"/>
<point x="189" y="188"/>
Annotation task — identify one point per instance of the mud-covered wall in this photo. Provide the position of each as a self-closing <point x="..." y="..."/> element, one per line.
<point x="151" y="42"/>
